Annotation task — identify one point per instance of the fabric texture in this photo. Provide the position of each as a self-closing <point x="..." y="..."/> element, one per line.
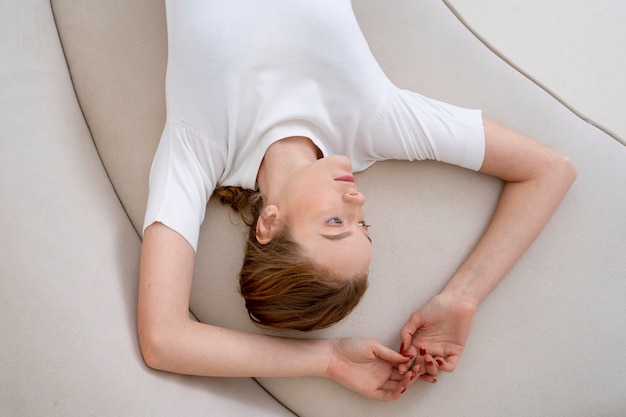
<point x="242" y="75"/>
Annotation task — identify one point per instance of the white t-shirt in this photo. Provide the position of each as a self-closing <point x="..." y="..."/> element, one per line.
<point x="243" y="74"/>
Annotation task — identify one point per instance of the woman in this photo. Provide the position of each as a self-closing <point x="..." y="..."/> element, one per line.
<point x="285" y="98"/>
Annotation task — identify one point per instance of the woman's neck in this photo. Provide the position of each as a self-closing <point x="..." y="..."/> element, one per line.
<point x="281" y="158"/>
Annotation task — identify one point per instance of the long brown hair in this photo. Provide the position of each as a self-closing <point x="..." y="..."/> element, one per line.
<point x="282" y="287"/>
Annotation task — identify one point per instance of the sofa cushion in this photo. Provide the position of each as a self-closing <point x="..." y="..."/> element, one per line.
<point x="69" y="257"/>
<point x="538" y="340"/>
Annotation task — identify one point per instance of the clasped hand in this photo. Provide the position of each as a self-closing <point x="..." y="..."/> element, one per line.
<point x="435" y="335"/>
<point x="369" y="368"/>
<point x="432" y="341"/>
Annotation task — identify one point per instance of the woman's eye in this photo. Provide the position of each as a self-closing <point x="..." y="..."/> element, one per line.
<point x="363" y="224"/>
<point x="335" y="220"/>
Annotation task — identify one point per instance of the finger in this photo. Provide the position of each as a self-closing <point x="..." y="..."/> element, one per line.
<point x="401" y="389"/>
<point x="411" y="353"/>
<point x="384" y="395"/>
<point x="422" y="351"/>
<point x="404" y="381"/>
<point x="409" y="378"/>
<point x="428" y="378"/>
<point x="443" y="365"/>
<point x="388" y="355"/>
<point x="413" y="374"/>
<point x="447" y="364"/>
<point x="432" y="367"/>
<point x="396" y="375"/>
<point x="409" y="329"/>
<point x="390" y="391"/>
<point x="406" y="367"/>
<point x="418" y="363"/>
<point x="390" y="386"/>
<point x="403" y="368"/>
<point x="408" y="349"/>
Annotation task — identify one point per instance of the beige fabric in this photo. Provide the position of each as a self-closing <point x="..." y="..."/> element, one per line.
<point x="69" y="257"/>
<point x="543" y="343"/>
<point x="117" y="51"/>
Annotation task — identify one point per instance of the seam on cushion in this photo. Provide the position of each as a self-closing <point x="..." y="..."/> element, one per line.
<point x="69" y="72"/>
<point x="482" y="40"/>
<point x="274" y="397"/>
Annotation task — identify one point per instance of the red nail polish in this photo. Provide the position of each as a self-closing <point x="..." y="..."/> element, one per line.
<point x="430" y="363"/>
<point x="403" y="391"/>
<point x="434" y="381"/>
<point x="422" y="351"/>
<point x="440" y="362"/>
<point x="409" y="356"/>
<point x="402" y="348"/>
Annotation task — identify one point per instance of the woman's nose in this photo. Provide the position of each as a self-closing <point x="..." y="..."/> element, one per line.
<point x="354" y="197"/>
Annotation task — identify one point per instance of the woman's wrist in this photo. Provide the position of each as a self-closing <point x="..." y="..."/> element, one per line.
<point x="464" y="290"/>
<point x="317" y="357"/>
<point x="331" y="358"/>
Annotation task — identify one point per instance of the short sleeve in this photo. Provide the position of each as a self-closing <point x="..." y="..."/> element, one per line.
<point x="183" y="176"/>
<point x="413" y="127"/>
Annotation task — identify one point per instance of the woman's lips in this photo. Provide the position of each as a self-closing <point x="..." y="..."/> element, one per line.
<point x="346" y="178"/>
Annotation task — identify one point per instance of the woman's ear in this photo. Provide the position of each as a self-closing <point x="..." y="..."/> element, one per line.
<point x="266" y="225"/>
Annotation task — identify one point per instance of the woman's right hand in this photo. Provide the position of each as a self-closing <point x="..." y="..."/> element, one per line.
<point x="369" y="368"/>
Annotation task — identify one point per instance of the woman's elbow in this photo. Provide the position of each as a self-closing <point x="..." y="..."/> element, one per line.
<point x="567" y="171"/>
<point x="152" y="345"/>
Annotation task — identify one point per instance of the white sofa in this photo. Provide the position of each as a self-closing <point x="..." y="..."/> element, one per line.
<point x="82" y="106"/>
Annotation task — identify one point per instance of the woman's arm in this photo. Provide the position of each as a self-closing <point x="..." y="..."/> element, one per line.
<point x="170" y="341"/>
<point x="537" y="178"/>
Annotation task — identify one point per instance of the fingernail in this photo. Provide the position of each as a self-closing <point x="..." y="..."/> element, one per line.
<point x="402" y="348"/>
<point x="413" y="376"/>
<point x="403" y="390"/>
<point x="409" y="356"/>
<point x="430" y="363"/>
<point x="440" y="362"/>
<point x="434" y="381"/>
<point x="422" y="351"/>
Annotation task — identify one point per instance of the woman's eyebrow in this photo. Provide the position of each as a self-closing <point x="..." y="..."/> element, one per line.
<point x="342" y="235"/>
<point x="338" y="236"/>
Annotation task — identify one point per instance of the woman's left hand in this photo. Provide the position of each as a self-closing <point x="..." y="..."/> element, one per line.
<point x="436" y="333"/>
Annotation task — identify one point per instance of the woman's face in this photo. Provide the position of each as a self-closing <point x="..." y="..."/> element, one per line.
<point x="324" y="212"/>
